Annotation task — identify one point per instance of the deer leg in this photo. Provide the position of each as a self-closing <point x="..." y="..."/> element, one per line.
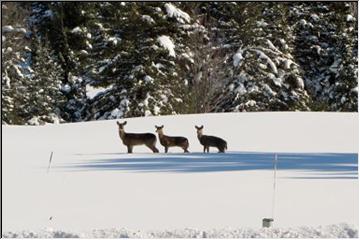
<point x="130" y="148"/>
<point x="208" y="148"/>
<point x="153" y="148"/>
<point x="166" y="149"/>
<point x="204" y="148"/>
<point x="186" y="147"/>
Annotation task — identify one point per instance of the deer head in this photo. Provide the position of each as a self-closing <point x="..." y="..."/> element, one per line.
<point x="199" y="130"/>
<point x="121" y="125"/>
<point x="159" y="130"/>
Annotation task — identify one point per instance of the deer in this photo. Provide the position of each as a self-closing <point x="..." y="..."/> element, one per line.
<point x="168" y="141"/>
<point x="132" y="139"/>
<point x="210" y="141"/>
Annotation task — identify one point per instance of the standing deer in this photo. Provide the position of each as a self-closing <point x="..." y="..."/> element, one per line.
<point x="168" y="141"/>
<point x="210" y="141"/>
<point x="132" y="139"/>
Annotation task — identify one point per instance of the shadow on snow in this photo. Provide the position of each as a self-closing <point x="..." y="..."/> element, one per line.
<point x="323" y="165"/>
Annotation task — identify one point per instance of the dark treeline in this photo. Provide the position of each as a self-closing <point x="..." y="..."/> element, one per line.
<point x="80" y="61"/>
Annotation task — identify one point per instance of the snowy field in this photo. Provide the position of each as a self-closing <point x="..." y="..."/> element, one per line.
<point x="93" y="183"/>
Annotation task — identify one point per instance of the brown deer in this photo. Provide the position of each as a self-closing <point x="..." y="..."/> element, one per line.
<point x="210" y="141"/>
<point x="132" y="139"/>
<point x="168" y="141"/>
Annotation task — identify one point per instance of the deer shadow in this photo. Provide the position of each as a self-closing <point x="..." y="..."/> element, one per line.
<point x="319" y="165"/>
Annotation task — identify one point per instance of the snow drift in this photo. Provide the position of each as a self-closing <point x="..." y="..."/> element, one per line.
<point x="330" y="231"/>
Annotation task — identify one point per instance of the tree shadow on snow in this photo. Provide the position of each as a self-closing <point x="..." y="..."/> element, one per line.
<point x="319" y="165"/>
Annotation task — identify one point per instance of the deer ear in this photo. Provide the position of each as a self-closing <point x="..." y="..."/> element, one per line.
<point x="202" y="126"/>
<point x="162" y="126"/>
<point x="117" y="122"/>
<point x="156" y="127"/>
<point x="124" y="123"/>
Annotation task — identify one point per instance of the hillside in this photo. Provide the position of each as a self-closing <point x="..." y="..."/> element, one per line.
<point x="81" y="61"/>
<point x="93" y="184"/>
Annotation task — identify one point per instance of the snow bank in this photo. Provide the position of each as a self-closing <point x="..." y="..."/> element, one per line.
<point x="329" y="231"/>
<point x="166" y="42"/>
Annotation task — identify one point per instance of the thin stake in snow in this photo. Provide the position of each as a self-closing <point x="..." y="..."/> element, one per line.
<point x="51" y="155"/>
<point x="274" y="186"/>
<point x="268" y="222"/>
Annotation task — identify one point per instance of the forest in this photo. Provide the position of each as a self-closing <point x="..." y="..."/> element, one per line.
<point x="84" y="61"/>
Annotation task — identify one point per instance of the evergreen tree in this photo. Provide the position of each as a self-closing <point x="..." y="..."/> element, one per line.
<point x="46" y="100"/>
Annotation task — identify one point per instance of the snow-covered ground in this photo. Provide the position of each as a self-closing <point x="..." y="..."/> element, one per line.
<point x="93" y="184"/>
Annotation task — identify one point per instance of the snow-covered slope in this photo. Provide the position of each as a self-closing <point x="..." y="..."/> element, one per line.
<point x="93" y="184"/>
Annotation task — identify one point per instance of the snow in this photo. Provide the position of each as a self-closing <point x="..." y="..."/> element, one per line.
<point x="166" y="42"/>
<point x="7" y="81"/>
<point x="66" y="88"/>
<point x="21" y="30"/>
<point x="148" y="19"/>
<point x="92" y="92"/>
<point x="34" y="121"/>
<point x="261" y="23"/>
<point x="148" y="113"/>
<point x="18" y="72"/>
<point x="329" y="231"/>
<point x="237" y="58"/>
<point x="269" y="90"/>
<point x="188" y="57"/>
<point x="250" y="103"/>
<point x="240" y="89"/>
<point x="76" y="30"/>
<point x="93" y="187"/>
<point x="7" y="28"/>
<point x="349" y="18"/>
<point x="26" y="48"/>
<point x="268" y="60"/>
<point x="300" y="83"/>
<point x="156" y="110"/>
<point x="114" y="40"/>
<point x="277" y="81"/>
<point x="175" y="12"/>
<point x="148" y="79"/>
<point x="335" y="65"/>
<point x="283" y="43"/>
<point x="315" y="17"/>
<point x="303" y="22"/>
<point x="88" y="44"/>
<point x="272" y="47"/>
<point x="84" y="52"/>
<point x="117" y="113"/>
<point x="355" y="90"/>
<point x="48" y="13"/>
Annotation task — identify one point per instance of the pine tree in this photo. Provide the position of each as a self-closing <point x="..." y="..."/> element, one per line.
<point x="16" y="69"/>
<point x="46" y="100"/>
